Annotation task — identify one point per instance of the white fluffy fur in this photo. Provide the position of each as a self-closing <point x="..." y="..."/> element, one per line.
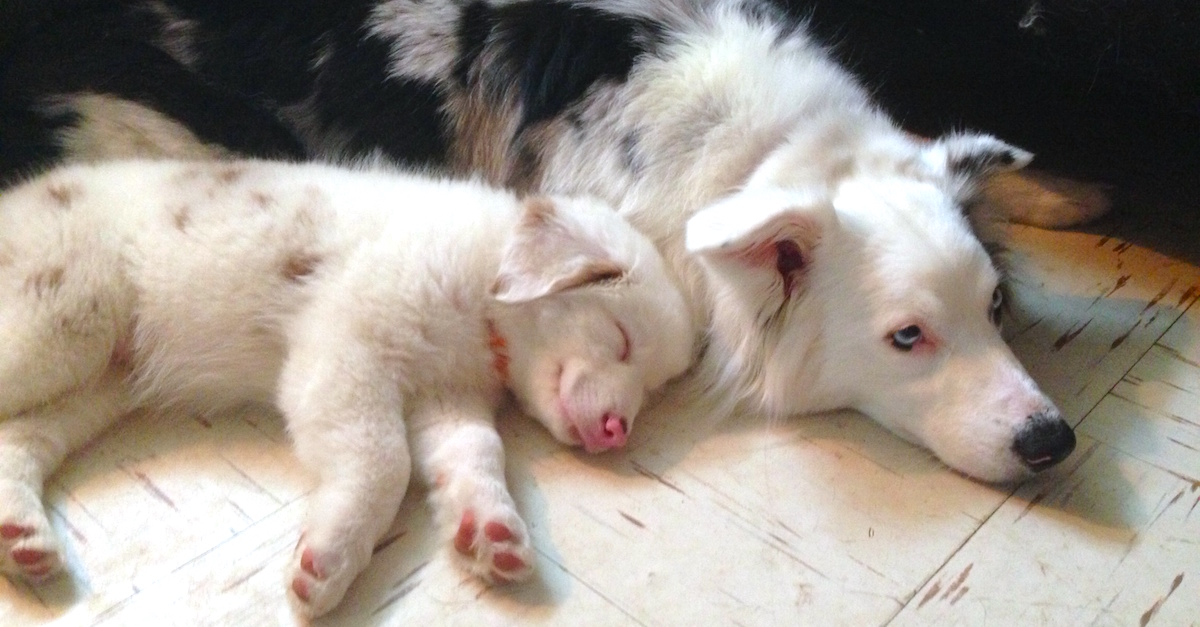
<point x="358" y="302"/>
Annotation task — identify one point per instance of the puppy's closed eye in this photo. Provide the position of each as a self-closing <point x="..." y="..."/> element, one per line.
<point x="627" y="345"/>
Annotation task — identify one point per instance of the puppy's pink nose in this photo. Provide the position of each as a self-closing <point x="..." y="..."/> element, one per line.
<point x="615" y="431"/>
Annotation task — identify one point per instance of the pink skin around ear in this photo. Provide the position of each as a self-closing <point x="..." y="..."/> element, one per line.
<point x="611" y="431"/>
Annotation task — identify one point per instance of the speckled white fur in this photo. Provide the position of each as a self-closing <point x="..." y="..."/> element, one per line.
<point x="364" y="304"/>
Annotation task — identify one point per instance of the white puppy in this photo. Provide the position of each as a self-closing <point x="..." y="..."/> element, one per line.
<point x="375" y="309"/>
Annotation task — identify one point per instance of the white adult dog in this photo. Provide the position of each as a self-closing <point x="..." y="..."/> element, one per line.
<point x="373" y="308"/>
<point x="829" y="254"/>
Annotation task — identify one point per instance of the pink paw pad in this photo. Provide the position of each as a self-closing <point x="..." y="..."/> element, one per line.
<point x="35" y="565"/>
<point x="504" y="565"/>
<point x="300" y="587"/>
<point x="301" y="582"/>
<point x="28" y="557"/>
<point x="464" y="538"/>
<point x="507" y="562"/>
<point x="307" y="564"/>
<point x="11" y="532"/>
<point x="497" y="532"/>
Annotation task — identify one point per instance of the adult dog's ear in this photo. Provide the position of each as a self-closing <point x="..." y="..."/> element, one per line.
<point x="762" y="233"/>
<point x="974" y="155"/>
<point x="546" y="256"/>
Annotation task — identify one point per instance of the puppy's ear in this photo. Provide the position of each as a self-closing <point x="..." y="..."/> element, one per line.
<point x="974" y="155"/>
<point x="763" y="233"/>
<point x="546" y="256"/>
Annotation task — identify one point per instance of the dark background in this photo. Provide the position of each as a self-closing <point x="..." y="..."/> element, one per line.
<point x="1098" y="89"/>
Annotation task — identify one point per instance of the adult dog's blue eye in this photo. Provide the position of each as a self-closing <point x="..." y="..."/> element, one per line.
<point x="905" y="339"/>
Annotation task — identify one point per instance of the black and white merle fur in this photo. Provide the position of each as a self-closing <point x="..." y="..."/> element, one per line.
<point x="825" y="250"/>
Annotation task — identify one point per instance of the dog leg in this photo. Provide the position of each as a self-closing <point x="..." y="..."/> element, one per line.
<point x="32" y="445"/>
<point x="348" y="430"/>
<point x="460" y="456"/>
<point x="59" y="328"/>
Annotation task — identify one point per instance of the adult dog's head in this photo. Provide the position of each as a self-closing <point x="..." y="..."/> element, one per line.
<point x="865" y="287"/>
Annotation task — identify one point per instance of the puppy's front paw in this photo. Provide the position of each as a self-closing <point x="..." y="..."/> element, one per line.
<point x="30" y="547"/>
<point x="487" y="534"/>
<point x="319" y="579"/>
<point x="494" y="549"/>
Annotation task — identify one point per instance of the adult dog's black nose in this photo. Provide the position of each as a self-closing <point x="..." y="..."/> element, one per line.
<point x="1044" y="440"/>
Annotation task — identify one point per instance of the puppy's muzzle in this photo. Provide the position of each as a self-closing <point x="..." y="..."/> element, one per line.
<point x="1044" y="440"/>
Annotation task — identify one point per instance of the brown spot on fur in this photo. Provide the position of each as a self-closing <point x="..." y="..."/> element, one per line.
<point x="45" y="281"/>
<point x="63" y="194"/>
<point x="182" y="216"/>
<point x="300" y="265"/>
<point x="230" y="174"/>
<point x="262" y="199"/>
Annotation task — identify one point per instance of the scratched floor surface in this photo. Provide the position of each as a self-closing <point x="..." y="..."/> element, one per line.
<point x="813" y="521"/>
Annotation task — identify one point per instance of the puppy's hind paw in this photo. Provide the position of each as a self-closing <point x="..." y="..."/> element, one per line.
<point x="28" y="555"/>
<point x="28" y="546"/>
<point x="495" y="550"/>
<point x="317" y="583"/>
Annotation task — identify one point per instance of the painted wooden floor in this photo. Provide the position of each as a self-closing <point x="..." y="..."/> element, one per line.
<point x="825" y="520"/>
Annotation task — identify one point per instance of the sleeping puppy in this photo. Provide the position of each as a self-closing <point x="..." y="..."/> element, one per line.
<point x="384" y="314"/>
